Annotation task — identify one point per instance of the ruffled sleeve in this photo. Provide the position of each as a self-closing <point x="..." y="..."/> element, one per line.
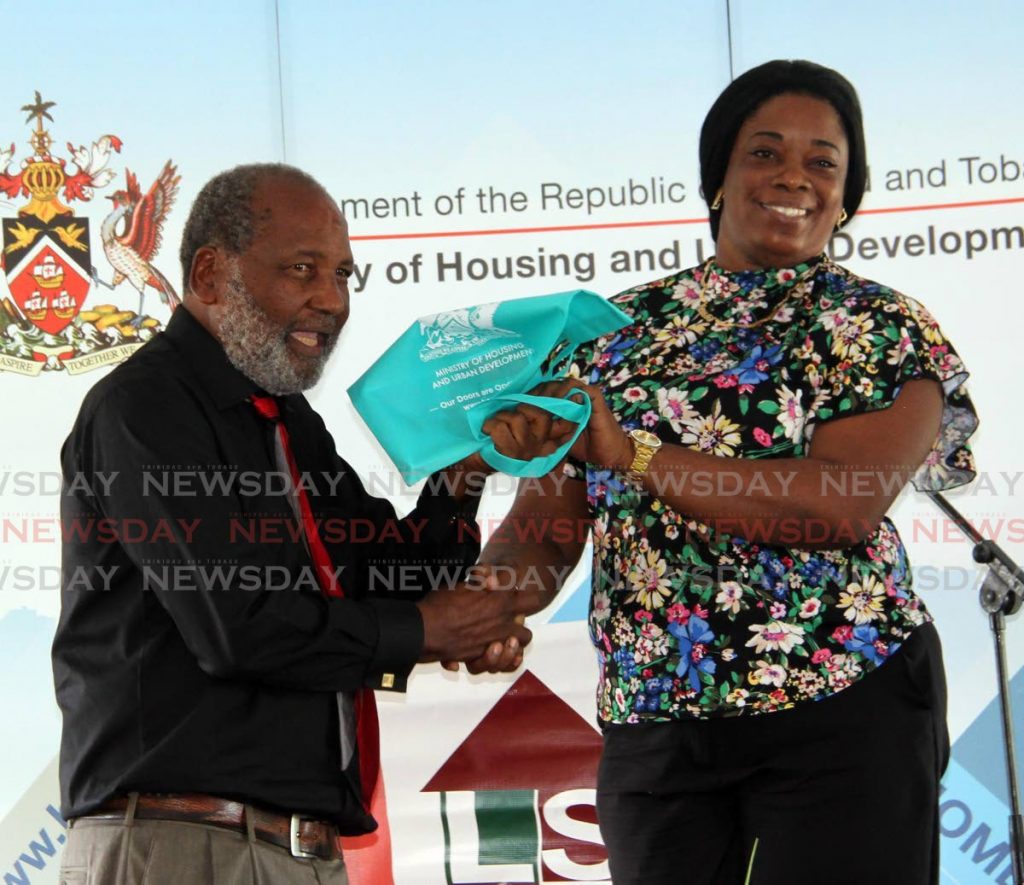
<point x="592" y="363"/>
<point x="873" y="345"/>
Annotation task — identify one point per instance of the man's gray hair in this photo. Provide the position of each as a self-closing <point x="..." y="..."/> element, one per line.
<point x="222" y="213"/>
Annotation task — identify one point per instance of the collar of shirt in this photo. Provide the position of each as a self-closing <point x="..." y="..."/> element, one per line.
<point x="206" y="358"/>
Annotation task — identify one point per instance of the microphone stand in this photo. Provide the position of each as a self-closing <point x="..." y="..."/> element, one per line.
<point x="1002" y="593"/>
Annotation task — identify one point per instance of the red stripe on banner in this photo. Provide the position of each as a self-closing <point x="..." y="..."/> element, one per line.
<point x="504" y="231"/>
<point x="928" y="206"/>
<point x="498" y="231"/>
<point x="368" y="858"/>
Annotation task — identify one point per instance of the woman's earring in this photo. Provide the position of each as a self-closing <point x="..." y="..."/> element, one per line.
<point x="717" y="204"/>
<point x="843" y="218"/>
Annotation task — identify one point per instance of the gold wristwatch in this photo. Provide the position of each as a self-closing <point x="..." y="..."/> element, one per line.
<point x="645" y="445"/>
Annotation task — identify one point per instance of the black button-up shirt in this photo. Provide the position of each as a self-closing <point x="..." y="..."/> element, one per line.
<point x="195" y="651"/>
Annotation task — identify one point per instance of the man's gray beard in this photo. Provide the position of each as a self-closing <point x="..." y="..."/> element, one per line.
<point x="255" y="345"/>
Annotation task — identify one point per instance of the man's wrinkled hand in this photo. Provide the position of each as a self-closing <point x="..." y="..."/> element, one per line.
<point x="477" y="621"/>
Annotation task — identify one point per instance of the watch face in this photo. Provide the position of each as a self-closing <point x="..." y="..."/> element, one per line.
<point x="645" y="438"/>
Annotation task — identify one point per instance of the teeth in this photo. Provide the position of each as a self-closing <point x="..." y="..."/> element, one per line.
<point x="310" y="339"/>
<point x="788" y="211"/>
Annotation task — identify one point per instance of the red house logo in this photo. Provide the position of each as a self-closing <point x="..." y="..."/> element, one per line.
<point x="517" y="796"/>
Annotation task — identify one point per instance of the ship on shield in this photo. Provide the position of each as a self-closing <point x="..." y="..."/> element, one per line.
<point x="45" y="323"/>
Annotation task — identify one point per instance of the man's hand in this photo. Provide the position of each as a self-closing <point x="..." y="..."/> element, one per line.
<point x="500" y="657"/>
<point x="477" y="621"/>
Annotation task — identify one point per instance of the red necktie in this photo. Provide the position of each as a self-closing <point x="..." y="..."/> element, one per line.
<point x="367" y="728"/>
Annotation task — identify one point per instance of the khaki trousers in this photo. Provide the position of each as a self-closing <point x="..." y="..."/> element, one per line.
<point x="158" y="852"/>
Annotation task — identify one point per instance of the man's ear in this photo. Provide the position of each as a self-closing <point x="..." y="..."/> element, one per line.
<point x="209" y="274"/>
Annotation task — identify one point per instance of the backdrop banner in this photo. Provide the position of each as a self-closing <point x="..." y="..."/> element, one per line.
<point x="484" y="152"/>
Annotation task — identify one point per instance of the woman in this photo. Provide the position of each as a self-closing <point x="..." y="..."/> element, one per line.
<point x="771" y="689"/>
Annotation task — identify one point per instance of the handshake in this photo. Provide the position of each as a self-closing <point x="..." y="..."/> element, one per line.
<point x="479" y="621"/>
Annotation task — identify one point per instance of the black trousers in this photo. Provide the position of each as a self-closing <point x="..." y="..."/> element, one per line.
<point x="840" y="791"/>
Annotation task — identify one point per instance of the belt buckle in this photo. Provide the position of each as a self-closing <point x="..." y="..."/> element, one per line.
<point x="293" y="839"/>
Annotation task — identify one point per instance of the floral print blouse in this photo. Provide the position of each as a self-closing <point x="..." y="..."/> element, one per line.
<point x="690" y="623"/>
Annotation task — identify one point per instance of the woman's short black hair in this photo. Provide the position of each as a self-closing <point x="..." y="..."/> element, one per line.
<point x="751" y="90"/>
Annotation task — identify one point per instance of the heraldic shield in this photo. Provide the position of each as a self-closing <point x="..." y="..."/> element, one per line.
<point x="48" y="268"/>
<point x="44" y="323"/>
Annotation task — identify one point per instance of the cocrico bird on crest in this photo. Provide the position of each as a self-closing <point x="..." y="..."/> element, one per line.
<point x="130" y="252"/>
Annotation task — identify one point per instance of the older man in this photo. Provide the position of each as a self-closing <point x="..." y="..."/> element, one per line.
<point x="213" y="683"/>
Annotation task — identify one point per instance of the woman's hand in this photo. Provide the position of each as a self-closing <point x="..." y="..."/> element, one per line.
<point x="528" y="431"/>
<point x="524" y="433"/>
<point x="603" y="441"/>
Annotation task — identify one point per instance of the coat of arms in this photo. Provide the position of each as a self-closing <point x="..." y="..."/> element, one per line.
<point x="45" y="323"/>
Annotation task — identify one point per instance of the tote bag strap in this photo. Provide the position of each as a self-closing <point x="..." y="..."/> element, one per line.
<point x="568" y="409"/>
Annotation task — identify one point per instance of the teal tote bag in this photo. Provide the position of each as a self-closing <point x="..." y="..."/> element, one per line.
<point x="427" y="396"/>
